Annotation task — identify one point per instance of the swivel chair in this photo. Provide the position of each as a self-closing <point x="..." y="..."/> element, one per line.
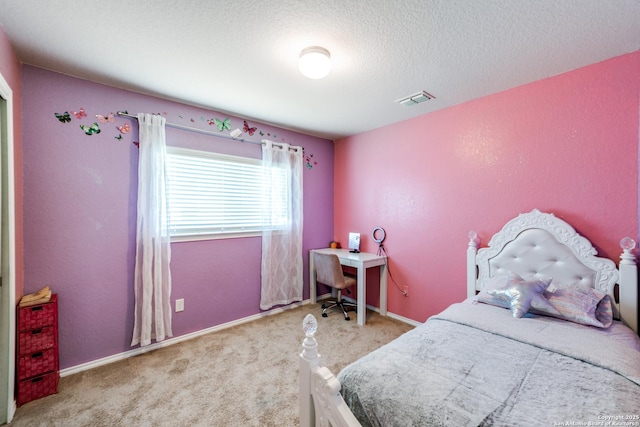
<point x="329" y="272"/>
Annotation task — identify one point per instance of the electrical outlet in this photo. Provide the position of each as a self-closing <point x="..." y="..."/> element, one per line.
<point x="180" y="305"/>
<point x="405" y="290"/>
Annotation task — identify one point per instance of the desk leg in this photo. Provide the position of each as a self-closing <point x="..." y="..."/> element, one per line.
<point x="383" y="290"/>
<point x="312" y="279"/>
<point x="362" y="295"/>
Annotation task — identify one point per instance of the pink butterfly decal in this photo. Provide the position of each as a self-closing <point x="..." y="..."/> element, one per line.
<point x="103" y="119"/>
<point x="80" y="114"/>
<point x="309" y="162"/>
<point x="124" y="128"/>
<point x="247" y="129"/>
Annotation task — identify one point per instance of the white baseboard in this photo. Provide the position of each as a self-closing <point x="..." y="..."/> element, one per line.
<point x="389" y="314"/>
<point x="404" y="319"/>
<point x="141" y="350"/>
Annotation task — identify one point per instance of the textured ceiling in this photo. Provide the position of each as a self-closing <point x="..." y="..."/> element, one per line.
<point x="240" y="57"/>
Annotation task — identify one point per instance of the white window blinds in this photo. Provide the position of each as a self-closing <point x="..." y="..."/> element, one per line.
<point x="213" y="194"/>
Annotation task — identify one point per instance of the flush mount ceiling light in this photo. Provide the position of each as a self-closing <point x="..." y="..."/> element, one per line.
<point x="315" y="62"/>
<point x="416" y="98"/>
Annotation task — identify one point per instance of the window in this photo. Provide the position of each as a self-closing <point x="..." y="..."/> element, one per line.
<point x="215" y="195"/>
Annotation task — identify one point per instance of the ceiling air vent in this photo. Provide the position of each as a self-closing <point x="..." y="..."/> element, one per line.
<point x="416" y="98"/>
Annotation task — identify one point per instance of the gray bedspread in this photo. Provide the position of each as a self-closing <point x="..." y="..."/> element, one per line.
<point x="475" y="364"/>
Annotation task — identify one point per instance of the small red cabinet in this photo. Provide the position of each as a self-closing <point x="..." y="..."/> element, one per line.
<point x="37" y="351"/>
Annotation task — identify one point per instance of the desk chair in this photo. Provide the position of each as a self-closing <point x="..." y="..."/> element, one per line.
<point x="329" y="272"/>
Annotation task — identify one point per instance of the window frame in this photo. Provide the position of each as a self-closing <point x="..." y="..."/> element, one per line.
<point x="235" y="160"/>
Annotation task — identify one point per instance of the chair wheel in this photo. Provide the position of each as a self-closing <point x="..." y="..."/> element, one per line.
<point x="324" y="306"/>
<point x="347" y="318"/>
<point x="324" y="314"/>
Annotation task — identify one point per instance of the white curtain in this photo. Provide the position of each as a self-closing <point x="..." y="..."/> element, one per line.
<point x="152" y="317"/>
<point x="281" y="244"/>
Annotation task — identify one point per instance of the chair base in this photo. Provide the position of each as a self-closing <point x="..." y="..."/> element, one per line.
<point x="342" y="305"/>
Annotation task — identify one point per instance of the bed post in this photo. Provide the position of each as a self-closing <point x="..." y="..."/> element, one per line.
<point x="628" y="282"/>
<point x="320" y="401"/>
<point x="472" y="270"/>
<point x="309" y="360"/>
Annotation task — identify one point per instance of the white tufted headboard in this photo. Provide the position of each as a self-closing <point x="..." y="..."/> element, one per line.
<point x="540" y="244"/>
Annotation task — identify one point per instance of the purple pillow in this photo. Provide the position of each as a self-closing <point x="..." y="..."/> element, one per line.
<point x="580" y="304"/>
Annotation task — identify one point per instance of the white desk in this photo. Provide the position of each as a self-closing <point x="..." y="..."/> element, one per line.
<point x="360" y="261"/>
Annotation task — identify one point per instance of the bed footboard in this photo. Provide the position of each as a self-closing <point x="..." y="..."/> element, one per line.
<point x="321" y="403"/>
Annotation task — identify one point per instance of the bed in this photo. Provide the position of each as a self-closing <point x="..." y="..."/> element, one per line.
<point x="548" y="336"/>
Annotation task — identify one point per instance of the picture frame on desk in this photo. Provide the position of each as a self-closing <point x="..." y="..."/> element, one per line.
<point x="354" y="242"/>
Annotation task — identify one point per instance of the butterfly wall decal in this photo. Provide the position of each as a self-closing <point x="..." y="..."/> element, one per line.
<point x="308" y="161"/>
<point x="103" y="119"/>
<point x="124" y="128"/>
<point x="223" y="124"/>
<point x="64" y="117"/>
<point x="247" y="129"/>
<point x="90" y="130"/>
<point x="80" y="114"/>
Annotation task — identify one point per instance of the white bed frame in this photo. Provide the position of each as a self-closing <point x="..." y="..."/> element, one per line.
<point x="550" y="247"/>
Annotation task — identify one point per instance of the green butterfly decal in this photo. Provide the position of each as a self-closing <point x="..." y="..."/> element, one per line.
<point x="90" y="130"/>
<point x="64" y="118"/>
<point x="222" y="125"/>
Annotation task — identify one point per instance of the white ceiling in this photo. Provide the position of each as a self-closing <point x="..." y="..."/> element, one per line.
<point x="239" y="57"/>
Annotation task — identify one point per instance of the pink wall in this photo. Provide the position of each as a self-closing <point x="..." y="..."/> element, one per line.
<point x="567" y="145"/>
<point x="11" y="71"/>
<point x="80" y="207"/>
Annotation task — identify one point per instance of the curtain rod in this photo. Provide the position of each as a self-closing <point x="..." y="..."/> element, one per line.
<point x="206" y="132"/>
<point x="192" y="129"/>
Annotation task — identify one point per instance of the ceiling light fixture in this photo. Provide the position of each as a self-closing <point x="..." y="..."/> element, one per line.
<point x="416" y="98"/>
<point x="315" y="62"/>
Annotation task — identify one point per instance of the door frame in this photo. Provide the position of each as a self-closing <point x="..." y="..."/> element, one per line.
<point x="8" y="257"/>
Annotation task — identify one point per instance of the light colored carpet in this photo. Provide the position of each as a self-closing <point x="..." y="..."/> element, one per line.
<point x="246" y="375"/>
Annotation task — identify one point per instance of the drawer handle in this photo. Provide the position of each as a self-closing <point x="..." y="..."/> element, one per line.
<point x="36" y="355"/>
<point x="36" y="331"/>
<point x="36" y="380"/>
<point x="37" y="308"/>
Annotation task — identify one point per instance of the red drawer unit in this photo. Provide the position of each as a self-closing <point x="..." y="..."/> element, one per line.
<point x="37" y="361"/>
<point x="35" y="388"/>
<point x="36" y="340"/>
<point x="39" y="315"/>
